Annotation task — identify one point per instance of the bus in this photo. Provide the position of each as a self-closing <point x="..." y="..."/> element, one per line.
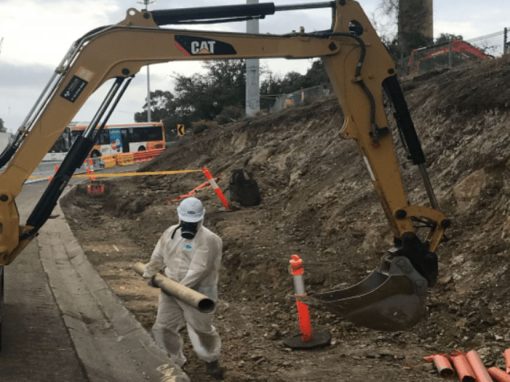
<point x="113" y="139"/>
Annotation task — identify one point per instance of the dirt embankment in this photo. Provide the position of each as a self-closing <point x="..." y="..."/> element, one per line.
<point x="318" y="201"/>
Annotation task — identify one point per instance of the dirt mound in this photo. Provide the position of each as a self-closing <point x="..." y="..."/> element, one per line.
<point x="317" y="200"/>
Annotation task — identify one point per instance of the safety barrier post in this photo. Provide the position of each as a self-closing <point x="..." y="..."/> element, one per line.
<point x="307" y="338"/>
<point x="89" y="167"/>
<point x="55" y="169"/>
<point x="215" y="187"/>
<point x="193" y="192"/>
<point x="94" y="188"/>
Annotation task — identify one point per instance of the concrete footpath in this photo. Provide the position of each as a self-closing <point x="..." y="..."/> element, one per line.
<point x="79" y="330"/>
<point x="110" y="342"/>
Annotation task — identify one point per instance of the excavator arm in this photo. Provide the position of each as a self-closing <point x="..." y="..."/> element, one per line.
<point x="360" y="70"/>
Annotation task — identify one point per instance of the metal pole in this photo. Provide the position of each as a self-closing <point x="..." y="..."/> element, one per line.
<point x="505" y="41"/>
<point x="149" y="119"/>
<point x="450" y="53"/>
<point x="295" y="7"/>
<point x="252" y="103"/>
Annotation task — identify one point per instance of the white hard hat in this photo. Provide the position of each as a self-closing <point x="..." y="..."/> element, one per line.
<point x="191" y="210"/>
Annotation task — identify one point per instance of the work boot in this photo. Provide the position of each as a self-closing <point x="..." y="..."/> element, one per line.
<point x="214" y="369"/>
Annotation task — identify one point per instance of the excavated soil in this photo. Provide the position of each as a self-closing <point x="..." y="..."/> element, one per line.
<point x="318" y="201"/>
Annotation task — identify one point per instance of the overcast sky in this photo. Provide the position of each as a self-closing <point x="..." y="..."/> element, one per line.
<point x="37" y="34"/>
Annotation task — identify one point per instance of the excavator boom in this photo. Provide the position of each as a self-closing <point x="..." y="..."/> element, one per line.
<point x="359" y="68"/>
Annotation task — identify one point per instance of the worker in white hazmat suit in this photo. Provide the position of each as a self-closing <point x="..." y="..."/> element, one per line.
<point x="190" y="254"/>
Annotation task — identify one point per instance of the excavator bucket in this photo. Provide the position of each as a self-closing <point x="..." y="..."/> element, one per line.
<point x="391" y="298"/>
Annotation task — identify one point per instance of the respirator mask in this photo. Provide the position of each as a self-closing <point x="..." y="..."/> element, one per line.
<point x="191" y="213"/>
<point x="188" y="230"/>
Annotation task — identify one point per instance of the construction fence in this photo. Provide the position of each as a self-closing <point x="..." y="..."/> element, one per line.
<point x="455" y="52"/>
<point x="125" y="159"/>
<point x="449" y="54"/>
<point x="300" y="97"/>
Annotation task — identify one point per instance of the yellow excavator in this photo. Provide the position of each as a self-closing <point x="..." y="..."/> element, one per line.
<point x="362" y="74"/>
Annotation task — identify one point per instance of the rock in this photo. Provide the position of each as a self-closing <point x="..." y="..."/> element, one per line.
<point x="467" y="192"/>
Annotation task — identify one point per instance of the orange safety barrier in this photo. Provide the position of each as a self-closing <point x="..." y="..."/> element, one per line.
<point x="142" y="156"/>
<point x="498" y="375"/>
<point x="94" y="188"/>
<point x="506" y="354"/>
<point x="108" y="161"/>
<point x="89" y="167"/>
<point x="442" y="364"/>
<point x="463" y="368"/>
<point x="478" y="367"/>
<point x="125" y="159"/>
<point x="215" y="187"/>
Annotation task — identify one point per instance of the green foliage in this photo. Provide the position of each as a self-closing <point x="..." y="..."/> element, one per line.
<point x="200" y="96"/>
<point x="447" y="37"/>
<point x="219" y="94"/>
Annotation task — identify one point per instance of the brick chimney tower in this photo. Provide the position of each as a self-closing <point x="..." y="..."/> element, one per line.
<point x="415" y="24"/>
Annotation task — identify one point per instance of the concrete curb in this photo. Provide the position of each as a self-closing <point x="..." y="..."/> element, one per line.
<point x="110" y="342"/>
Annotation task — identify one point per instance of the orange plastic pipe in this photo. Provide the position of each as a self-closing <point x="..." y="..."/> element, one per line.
<point x="506" y="354"/>
<point x="498" y="374"/>
<point x="442" y="364"/>
<point x="476" y="363"/>
<point x="462" y="367"/>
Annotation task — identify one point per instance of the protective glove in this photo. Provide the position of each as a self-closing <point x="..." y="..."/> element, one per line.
<point x="152" y="282"/>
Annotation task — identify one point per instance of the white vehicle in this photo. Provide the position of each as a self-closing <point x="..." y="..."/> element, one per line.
<point x="114" y="139"/>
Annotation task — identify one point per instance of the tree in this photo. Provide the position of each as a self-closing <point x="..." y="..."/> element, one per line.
<point x="200" y="96"/>
<point x="447" y="37"/>
<point x="162" y="106"/>
<point x="205" y="96"/>
<point x="3" y="129"/>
